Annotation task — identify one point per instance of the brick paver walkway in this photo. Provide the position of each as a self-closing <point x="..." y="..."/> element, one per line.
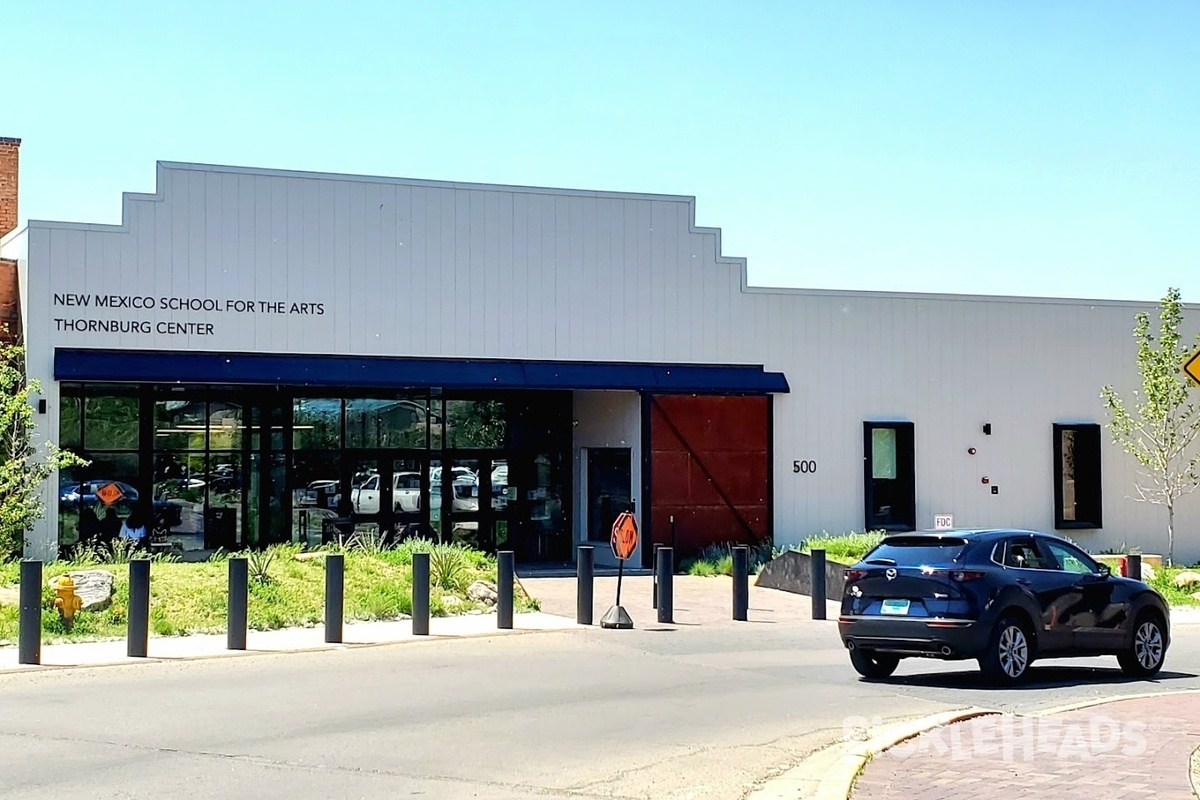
<point x="1128" y="749"/>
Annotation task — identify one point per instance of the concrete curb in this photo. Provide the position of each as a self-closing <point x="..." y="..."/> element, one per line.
<point x="829" y="774"/>
<point x="251" y="652"/>
<point x="1101" y="701"/>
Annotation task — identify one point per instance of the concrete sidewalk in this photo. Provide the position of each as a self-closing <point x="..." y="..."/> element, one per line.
<point x="698" y="601"/>
<point x="354" y="634"/>
<point x="1124" y="749"/>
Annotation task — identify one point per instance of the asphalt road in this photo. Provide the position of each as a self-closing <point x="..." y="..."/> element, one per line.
<point x="686" y="712"/>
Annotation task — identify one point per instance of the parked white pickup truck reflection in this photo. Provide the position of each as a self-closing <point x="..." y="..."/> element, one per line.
<point x="406" y="492"/>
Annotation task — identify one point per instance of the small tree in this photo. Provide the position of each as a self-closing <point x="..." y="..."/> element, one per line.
<point x="1163" y="428"/>
<point x="23" y="466"/>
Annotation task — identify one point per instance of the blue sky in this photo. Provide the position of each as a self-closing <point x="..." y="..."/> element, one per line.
<point x="1034" y="148"/>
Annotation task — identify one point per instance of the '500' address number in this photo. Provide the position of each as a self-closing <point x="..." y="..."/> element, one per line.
<point x="806" y="467"/>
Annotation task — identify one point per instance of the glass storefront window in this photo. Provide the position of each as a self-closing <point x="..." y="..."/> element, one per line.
<point x="111" y="423"/>
<point x="317" y="423"/>
<point x="398" y="423"/>
<point x="222" y="520"/>
<point x="476" y="424"/>
<point x="316" y="488"/>
<point x="224" y="425"/>
<point x="94" y="500"/>
<point x="437" y="417"/>
<point x="180" y="486"/>
<point x="180" y="424"/>
<point x="70" y="422"/>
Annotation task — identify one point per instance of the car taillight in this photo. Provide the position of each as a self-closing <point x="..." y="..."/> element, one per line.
<point x="855" y="574"/>
<point x="961" y="575"/>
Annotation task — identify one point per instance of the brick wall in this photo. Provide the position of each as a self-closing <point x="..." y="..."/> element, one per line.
<point x="10" y="306"/>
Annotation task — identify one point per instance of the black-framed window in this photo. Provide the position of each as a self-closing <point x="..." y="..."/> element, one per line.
<point x="889" y="476"/>
<point x="1078" y="501"/>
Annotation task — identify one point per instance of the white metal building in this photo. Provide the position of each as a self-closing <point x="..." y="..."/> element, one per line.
<point x="589" y="351"/>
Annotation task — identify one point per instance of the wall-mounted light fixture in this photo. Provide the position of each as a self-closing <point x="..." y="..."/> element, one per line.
<point x="971" y="451"/>
<point x="41" y="405"/>
<point x="987" y="429"/>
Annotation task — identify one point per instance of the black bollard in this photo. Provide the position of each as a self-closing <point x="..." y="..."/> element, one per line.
<point x="1133" y="565"/>
<point x="818" y="584"/>
<point x="239" y="598"/>
<point x="666" y="591"/>
<point x="138" y="636"/>
<point x="335" y="587"/>
<point x="29" y="637"/>
<point x="585" y="576"/>
<point x="420" y="594"/>
<point x="504" y="589"/>
<point x="654" y="579"/>
<point x="741" y="583"/>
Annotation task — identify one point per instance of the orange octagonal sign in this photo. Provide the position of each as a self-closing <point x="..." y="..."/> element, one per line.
<point x="624" y="535"/>
<point x="109" y="493"/>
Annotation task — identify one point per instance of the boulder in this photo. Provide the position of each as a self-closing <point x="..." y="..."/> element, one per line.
<point x="482" y="592"/>
<point x="1196" y="595"/>
<point x="450" y="601"/>
<point x="93" y="586"/>
<point x="10" y="596"/>
<point x="1185" y="579"/>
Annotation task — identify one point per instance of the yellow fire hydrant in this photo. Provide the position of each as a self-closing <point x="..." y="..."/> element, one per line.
<point x="67" y="602"/>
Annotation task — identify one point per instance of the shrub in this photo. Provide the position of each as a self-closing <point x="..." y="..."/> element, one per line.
<point x="845" y="548"/>
<point x="448" y="567"/>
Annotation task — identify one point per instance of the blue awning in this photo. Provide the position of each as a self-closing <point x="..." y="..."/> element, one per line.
<point x="378" y="372"/>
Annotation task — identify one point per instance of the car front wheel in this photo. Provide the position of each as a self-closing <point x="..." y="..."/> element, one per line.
<point x="873" y="665"/>
<point x="1009" y="653"/>
<point x="1145" y="657"/>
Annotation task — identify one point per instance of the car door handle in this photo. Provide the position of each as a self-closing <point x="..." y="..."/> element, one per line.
<point x="1024" y="581"/>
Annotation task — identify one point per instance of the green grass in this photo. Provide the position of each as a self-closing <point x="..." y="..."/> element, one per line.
<point x="717" y="560"/>
<point x="844" y="548"/>
<point x="1163" y="584"/>
<point x="191" y="598"/>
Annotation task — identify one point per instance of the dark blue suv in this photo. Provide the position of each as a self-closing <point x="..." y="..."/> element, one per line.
<point x="1004" y="597"/>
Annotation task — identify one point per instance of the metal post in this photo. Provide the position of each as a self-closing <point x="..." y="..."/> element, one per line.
<point x="420" y="594"/>
<point x="818" y="584"/>
<point x="666" y="591"/>
<point x="138" y="637"/>
<point x="1133" y="565"/>
<point x="505" y="568"/>
<point x="654" y="580"/>
<point x="741" y="583"/>
<point x="239" y="598"/>
<point x="585" y="573"/>
<point x="29" y="636"/>
<point x="335" y="585"/>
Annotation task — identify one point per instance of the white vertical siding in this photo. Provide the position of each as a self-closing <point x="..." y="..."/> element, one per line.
<point x="423" y="269"/>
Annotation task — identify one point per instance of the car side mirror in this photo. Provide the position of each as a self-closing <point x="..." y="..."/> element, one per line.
<point x="1105" y="571"/>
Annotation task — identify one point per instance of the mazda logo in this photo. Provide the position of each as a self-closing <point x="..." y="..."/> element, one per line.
<point x="891" y="573"/>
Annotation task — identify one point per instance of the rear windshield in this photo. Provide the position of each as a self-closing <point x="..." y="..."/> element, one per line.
<point x="917" y="552"/>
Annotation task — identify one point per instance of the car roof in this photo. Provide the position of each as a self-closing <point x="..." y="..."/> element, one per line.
<point x="971" y="533"/>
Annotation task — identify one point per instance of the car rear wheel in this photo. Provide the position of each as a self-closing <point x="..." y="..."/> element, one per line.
<point x="1009" y="653"/>
<point x="1145" y="657"/>
<point x="870" y="664"/>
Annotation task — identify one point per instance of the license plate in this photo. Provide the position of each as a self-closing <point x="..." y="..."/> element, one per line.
<point x="894" y="607"/>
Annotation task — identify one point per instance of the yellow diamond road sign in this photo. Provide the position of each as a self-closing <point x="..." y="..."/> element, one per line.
<point x="1191" y="368"/>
